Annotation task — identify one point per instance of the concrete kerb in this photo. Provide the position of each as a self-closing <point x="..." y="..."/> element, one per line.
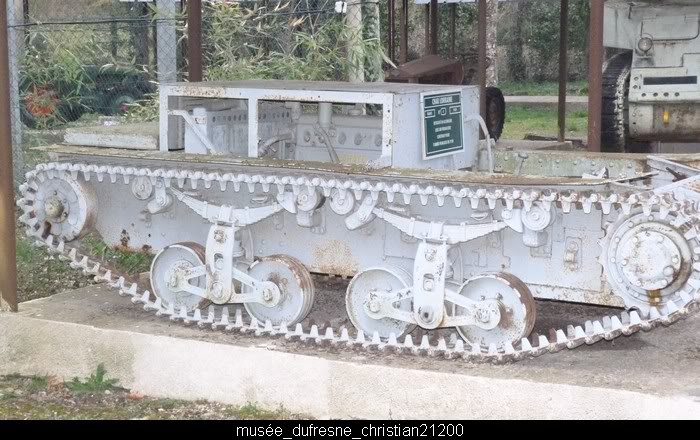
<point x="173" y="367"/>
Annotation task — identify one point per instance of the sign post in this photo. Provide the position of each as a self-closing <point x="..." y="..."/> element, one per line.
<point x="442" y="128"/>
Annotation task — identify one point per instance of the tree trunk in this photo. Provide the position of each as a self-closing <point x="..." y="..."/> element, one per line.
<point x="516" y="61"/>
<point x="491" y="42"/>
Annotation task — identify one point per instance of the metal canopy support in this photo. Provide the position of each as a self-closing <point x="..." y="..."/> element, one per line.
<point x="433" y="27"/>
<point x="482" y="57"/>
<point x="8" y="263"/>
<point x="194" y="39"/>
<point x="563" y="66"/>
<point x="595" y="75"/>
<point x="453" y="28"/>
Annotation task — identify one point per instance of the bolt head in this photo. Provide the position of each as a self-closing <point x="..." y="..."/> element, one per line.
<point x="219" y="236"/>
<point x="483" y="315"/>
<point x="426" y="315"/>
<point x="267" y="295"/>
<point x="54" y="208"/>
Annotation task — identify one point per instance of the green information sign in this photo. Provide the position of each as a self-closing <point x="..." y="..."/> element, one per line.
<point x="442" y="124"/>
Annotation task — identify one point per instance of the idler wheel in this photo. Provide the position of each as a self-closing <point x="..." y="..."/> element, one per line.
<point x="64" y="207"/>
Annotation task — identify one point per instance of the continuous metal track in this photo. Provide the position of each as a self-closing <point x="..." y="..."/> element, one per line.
<point x="220" y="317"/>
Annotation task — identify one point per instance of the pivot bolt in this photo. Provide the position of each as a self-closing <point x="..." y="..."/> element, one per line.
<point x="217" y="290"/>
<point x="483" y="315"/>
<point x="428" y="285"/>
<point x="430" y="254"/>
<point x="426" y="315"/>
<point x="267" y="295"/>
<point x="54" y="208"/>
<point x="172" y="281"/>
<point x="219" y="236"/>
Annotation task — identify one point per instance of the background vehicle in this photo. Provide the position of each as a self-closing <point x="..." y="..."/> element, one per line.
<point x="651" y="90"/>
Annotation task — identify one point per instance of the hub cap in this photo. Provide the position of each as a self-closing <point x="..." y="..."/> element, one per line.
<point x="64" y="207"/>
<point x="647" y="259"/>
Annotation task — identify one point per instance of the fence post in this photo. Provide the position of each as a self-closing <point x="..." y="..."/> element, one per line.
<point x="355" y="47"/>
<point x="167" y="41"/>
<point x="15" y="47"/>
<point x="8" y="264"/>
<point x="595" y="74"/>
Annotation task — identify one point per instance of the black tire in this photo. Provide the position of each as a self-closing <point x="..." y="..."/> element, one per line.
<point x="615" y="130"/>
<point x="495" y="112"/>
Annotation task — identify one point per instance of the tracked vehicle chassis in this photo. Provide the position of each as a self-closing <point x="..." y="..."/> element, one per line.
<point x="259" y="185"/>
<point x="266" y="204"/>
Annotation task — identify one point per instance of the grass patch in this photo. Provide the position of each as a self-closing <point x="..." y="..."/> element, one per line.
<point x="97" y="397"/>
<point x="96" y="383"/>
<point x="40" y="274"/>
<point x="542" y="88"/>
<point x="38" y="383"/>
<point x="522" y="121"/>
<point x="123" y="260"/>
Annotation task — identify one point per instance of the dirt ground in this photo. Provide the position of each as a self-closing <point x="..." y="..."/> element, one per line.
<point x="30" y="398"/>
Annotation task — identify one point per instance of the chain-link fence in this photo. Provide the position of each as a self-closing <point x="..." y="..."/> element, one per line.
<point x="77" y="57"/>
<point x="75" y="61"/>
<point x="292" y="39"/>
